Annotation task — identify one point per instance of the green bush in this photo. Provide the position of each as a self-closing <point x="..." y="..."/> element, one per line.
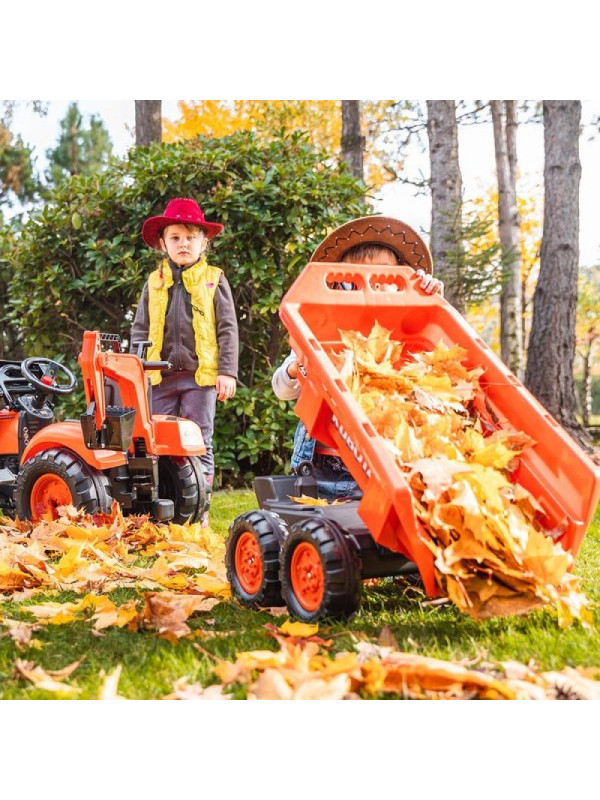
<point x="80" y="262"/>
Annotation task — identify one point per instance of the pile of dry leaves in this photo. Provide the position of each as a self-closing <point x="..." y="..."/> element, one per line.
<point x="181" y="567"/>
<point x="492" y="555"/>
<point x="303" y="669"/>
<point x="181" y="574"/>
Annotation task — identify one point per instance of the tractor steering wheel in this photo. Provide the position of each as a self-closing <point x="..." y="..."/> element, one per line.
<point x="50" y="369"/>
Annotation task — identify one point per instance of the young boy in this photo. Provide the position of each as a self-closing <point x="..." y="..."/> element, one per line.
<point x="186" y="310"/>
<point x="369" y="240"/>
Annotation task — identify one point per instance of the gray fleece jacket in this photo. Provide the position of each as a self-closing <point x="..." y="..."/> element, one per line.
<point x="179" y="345"/>
<point x="286" y="388"/>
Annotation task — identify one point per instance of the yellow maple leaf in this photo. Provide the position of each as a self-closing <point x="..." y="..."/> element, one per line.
<point x="300" y="629"/>
<point x="68" y="563"/>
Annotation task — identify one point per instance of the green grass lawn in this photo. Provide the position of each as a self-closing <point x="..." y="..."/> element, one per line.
<point x="150" y="664"/>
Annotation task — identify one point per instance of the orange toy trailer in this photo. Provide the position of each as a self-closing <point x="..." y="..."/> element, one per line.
<point x="117" y="450"/>
<point x="323" y="552"/>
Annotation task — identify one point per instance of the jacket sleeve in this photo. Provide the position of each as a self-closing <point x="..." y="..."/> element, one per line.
<point x="285" y="388"/>
<point x="227" y="329"/>
<point x="141" y="321"/>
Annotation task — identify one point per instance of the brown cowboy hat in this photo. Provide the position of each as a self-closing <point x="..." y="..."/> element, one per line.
<point x="179" y="211"/>
<point x="392" y="233"/>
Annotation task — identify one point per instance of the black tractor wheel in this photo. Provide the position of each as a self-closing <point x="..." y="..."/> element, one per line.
<point x="58" y="477"/>
<point x="204" y="488"/>
<point x="252" y="559"/>
<point x="319" y="571"/>
<point x="177" y="481"/>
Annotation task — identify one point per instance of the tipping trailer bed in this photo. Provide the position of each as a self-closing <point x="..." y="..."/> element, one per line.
<point x="555" y="470"/>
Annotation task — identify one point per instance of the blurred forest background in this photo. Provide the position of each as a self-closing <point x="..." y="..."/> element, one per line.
<point x="280" y="175"/>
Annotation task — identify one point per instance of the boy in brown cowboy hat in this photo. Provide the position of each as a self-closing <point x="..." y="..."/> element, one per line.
<point x="186" y="310"/>
<point x="369" y="240"/>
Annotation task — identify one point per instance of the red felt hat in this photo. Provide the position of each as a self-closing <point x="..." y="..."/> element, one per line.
<point x="179" y="211"/>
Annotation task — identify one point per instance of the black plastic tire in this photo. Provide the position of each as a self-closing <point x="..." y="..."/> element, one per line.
<point x="340" y="597"/>
<point x="268" y="534"/>
<point x="204" y="488"/>
<point x="89" y="488"/>
<point x="177" y="481"/>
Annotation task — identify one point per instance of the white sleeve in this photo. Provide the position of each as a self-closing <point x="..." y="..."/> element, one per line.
<point x="285" y="388"/>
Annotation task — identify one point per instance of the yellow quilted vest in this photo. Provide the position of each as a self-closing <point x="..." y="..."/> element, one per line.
<point x="201" y="281"/>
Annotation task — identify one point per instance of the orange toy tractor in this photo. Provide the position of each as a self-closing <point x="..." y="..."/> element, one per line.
<point x="314" y="557"/>
<point x="116" y="451"/>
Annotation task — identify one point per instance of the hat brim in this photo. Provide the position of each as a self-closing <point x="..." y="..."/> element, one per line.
<point x="387" y="231"/>
<point x="154" y="226"/>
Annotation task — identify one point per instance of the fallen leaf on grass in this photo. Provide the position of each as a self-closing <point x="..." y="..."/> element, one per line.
<point x="48" y="680"/>
<point x="271" y="685"/>
<point x="303" y="670"/>
<point x="416" y="676"/>
<point x="386" y="638"/>
<point x="110" y="683"/>
<point x="20" y="632"/>
<point x="183" y="690"/>
<point x="299" y="629"/>
<point x="276" y="611"/>
<point x="211" y="585"/>
<point x="168" y="612"/>
<point x="101" y="608"/>
<point x="285" y="633"/>
<point x="572" y="684"/>
<point x="118" y="616"/>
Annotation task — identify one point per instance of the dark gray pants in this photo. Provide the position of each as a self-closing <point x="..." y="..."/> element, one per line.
<point x="179" y="394"/>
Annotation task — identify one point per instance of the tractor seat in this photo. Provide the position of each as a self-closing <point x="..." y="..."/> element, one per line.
<point x="113" y="395"/>
<point x="12" y="382"/>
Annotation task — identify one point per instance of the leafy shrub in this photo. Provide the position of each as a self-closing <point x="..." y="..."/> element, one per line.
<point x="80" y="262"/>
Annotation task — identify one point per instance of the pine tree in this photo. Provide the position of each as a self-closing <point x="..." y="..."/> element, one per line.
<point x="79" y="150"/>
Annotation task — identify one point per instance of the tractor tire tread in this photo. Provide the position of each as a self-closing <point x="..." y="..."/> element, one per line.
<point x="264" y="528"/>
<point x="89" y="487"/>
<point x="341" y="567"/>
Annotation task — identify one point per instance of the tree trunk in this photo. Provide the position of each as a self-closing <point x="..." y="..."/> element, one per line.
<point x="446" y="199"/>
<point x="586" y="388"/>
<point x="353" y="142"/>
<point x="511" y="348"/>
<point x="148" y="123"/>
<point x="510" y="108"/>
<point x="551" y="349"/>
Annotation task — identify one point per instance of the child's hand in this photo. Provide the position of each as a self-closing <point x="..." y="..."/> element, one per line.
<point x="225" y="386"/>
<point x="429" y="284"/>
<point x="292" y="370"/>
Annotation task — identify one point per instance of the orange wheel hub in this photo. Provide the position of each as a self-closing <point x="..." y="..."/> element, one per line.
<point x="248" y="563"/>
<point x="306" y="575"/>
<point x="47" y="493"/>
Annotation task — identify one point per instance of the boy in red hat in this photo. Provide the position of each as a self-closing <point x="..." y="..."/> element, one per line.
<point x="186" y="310"/>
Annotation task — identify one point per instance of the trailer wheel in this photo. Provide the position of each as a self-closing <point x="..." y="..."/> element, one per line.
<point x="252" y="559"/>
<point x="177" y="481"/>
<point x="58" y="477"/>
<point x="319" y="571"/>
